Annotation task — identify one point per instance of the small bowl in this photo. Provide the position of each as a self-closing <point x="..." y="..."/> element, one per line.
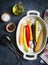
<point x="10" y="27"/>
<point x="5" y="17"/>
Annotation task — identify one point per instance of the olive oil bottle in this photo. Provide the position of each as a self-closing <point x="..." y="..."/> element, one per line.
<point x="18" y="9"/>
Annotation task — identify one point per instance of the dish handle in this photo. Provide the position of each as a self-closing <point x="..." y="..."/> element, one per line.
<point x="31" y="57"/>
<point x="33" y="12"/>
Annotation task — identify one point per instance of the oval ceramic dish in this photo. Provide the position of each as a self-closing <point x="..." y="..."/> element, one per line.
<point x="32" y="16"/>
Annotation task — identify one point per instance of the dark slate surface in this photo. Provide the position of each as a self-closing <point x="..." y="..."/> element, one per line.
<point x="7" y="57"/>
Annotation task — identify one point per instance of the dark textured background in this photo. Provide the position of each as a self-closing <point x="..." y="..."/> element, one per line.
<point x="7" y="57"/>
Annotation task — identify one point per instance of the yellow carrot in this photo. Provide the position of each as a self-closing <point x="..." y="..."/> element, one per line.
<point x="36" y="25"/>
<point x="25" y="42"/>
<point x="38" y="41"/>
<point x="21" y="34"/>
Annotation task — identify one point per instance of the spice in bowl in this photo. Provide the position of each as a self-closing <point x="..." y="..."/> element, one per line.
<point x="5" y="17"/>
<point x="10" y="27"/>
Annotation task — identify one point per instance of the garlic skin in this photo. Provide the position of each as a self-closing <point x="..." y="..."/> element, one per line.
<point x="46" y="19"/>
<point x="46" y="16"/>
